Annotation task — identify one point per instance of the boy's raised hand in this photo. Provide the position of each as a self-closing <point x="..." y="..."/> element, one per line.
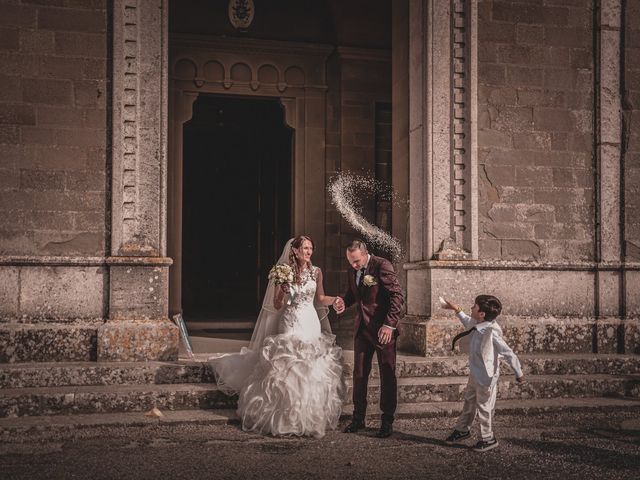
<point x="446" y="304"/>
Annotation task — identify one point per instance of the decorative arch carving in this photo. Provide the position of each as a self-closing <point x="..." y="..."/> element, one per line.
<point x="213" y="71"/>
<point x="241" y="72"/>
<point x="264" y="67"/>
<point x="268" y="73"/>
<point x="185" y="68"/>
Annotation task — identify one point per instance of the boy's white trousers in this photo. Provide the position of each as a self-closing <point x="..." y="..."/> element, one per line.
<point x="479" y="400"/>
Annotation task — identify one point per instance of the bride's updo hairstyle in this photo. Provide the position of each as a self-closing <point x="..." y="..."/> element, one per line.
<point x="297" y="244"/>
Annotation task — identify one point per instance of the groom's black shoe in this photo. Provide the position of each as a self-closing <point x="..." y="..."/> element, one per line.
<point x="386" y="429"/>
<point x="354" y="426"/>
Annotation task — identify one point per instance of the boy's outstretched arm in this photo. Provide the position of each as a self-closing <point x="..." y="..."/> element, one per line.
<point x="466" y="320"/>
<point x="505" y="351"/>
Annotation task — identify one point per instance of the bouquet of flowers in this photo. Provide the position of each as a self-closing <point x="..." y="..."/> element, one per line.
<point x="281" y="274"/>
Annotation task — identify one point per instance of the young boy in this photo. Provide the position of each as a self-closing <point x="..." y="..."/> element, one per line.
<point x="486" y="347"/>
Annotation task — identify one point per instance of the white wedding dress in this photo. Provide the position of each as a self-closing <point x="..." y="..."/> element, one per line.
<point x="290" y="384"/>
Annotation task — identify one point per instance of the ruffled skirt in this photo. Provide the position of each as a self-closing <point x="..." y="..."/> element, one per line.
<point x="296" y="389"/>
<point x="295" y="386"/>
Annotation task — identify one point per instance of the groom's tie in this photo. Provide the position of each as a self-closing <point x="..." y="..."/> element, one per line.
<point x="461" y="335"/>
<point x="361" y="276"/>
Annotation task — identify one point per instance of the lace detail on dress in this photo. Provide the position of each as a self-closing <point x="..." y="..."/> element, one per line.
<point x="305" y="292"/>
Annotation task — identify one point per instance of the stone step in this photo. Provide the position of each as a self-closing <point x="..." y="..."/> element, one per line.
<point x="69" y="374"/>
<point x="450" y="389"/>
<point x="506" y="407"/>
<point x="130" y="398"/>
<point x="10" y="427"/>
<point x="30" y="375"/>
<point x="111" y="398"/>
<point x="532" y="364"/>
<point x="48" y="342"/>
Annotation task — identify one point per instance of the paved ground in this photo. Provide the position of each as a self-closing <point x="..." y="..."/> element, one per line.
<point x="563" y="445"/>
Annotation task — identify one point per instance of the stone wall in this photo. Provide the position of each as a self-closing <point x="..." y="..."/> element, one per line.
<point x="53" y="127"/>
<point x="535" y="95"/>
<point x="358" y="79"/>
<point x="631" y="130"/>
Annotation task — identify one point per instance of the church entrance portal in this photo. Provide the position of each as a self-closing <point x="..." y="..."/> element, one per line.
<point x="237" y="176"/>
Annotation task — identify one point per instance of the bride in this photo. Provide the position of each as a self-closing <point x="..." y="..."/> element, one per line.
<point x="289" y="380"/>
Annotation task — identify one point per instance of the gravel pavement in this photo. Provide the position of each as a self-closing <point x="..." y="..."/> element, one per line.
<point x="560" y="445"/>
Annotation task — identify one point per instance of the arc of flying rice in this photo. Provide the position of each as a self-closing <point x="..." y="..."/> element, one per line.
<point x="347" y="191"/>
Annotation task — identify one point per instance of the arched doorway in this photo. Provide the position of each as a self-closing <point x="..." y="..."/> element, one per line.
<point x="286" y="82"/>
<point x="236" y="208"/>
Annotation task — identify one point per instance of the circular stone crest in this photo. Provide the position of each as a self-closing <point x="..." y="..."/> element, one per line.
<point x="241" y="13"/>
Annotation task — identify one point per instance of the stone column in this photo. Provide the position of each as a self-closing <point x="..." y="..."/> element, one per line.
<point x="615" y="284"/>
<point x="443" y="222"/>
<point x="400" y="124"/>
<point x="138" y="327"/>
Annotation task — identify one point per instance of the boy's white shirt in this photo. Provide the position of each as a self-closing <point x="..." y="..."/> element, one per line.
<point x="486" y="347"/>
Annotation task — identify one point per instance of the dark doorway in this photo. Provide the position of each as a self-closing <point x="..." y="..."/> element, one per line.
<point x="236" y="204"/>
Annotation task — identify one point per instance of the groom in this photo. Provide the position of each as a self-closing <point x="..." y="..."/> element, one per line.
<point x="374" y="287"/>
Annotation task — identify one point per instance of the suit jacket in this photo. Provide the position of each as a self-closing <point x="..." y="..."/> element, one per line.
<point x="379" y="304"/>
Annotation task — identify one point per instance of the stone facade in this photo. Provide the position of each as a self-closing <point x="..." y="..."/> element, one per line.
<point x="514" y="155"/>
<point x="536" y="100"/>
<point x="360" y="79"/>
<point x="54" y="129"/>
<point x="631" y="131"/>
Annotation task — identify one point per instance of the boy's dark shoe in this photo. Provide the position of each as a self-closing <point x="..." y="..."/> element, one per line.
<point x="354" y="426"/>
<point x="484" y="445"/>
<point x="457" y="435"/>
<point x="386" y="429"/>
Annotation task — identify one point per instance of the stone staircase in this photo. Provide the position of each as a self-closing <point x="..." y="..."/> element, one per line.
<point x="33" y="395"/>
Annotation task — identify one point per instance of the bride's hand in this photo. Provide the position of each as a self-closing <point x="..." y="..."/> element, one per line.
<point x="338" y="305"/>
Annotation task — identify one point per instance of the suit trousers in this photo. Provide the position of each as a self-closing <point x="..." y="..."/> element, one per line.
<point x="364" y="347"/>
<point x="478" y="400"/>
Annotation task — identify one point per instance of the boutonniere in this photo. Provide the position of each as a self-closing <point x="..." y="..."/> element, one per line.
<point x="369" y="281"/>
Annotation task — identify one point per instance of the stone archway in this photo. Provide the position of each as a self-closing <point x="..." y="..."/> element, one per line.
<point x="293" y="73"/>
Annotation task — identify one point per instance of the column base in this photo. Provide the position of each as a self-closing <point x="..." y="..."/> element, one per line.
<point x="135" y="341"/>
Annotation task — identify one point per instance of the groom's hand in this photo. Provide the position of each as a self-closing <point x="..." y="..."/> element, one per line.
<point x="384" y="335"/>
<point x="338" y="305"/>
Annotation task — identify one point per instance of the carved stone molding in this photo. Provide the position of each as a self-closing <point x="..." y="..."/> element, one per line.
<point x="443" y="221"/>
<point x="139" y="127"/>
<point x="138" y="327"/>
<point x="461" y="123"/>
<point x="463" y="129"/>
<point x="258" y="66"/>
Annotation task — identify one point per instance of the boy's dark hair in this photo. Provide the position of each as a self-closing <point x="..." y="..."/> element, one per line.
<point x="490" y="305"/>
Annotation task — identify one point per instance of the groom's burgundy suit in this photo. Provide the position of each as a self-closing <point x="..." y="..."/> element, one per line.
<point x="377" y="305"/>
